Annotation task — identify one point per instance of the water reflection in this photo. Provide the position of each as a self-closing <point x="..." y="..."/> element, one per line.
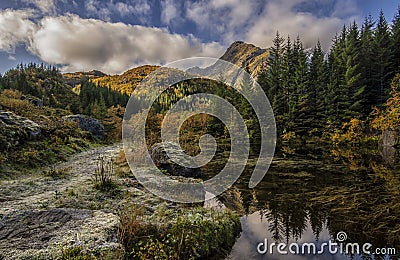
<point x="312" y="200"/>
<point x="256" y="228"/>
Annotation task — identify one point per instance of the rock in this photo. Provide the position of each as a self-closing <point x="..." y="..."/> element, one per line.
<point x="390" y="138"/>
<point x="47" y="234"/>
<point x="162" y="160"/>
<point x="86" y="123"/>
<point x="34" y="100"/>
<point x="16" y="129"/>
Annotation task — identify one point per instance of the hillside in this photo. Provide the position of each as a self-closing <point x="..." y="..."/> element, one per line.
<point x="247" y="56"/>
<point x="74" y="79"/>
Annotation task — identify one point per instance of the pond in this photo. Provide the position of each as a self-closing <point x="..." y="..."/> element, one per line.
<point x="342" y="197"/>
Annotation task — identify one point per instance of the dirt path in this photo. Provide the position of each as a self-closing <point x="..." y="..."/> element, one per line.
<point x="31" y="223"/>
<point x="33" y="191"/>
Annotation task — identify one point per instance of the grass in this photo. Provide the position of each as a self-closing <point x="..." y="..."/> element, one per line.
<point x="57" y="173"/>
<point x="103" y="177"/>
<point x="186" y="233"/>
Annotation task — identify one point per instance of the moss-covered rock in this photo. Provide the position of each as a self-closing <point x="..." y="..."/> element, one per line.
<point x="15" y="130"/>
<point x="86" y="123"/>
<point x="163" y="160"/>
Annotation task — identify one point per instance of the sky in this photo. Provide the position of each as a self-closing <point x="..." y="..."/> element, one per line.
<point x="116" y="35"/>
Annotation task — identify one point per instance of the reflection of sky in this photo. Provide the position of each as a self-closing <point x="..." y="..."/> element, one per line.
<point x="255" y="230"/>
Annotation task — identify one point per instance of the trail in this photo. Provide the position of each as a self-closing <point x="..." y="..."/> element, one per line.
<point x="33" y="191"/>
<point x="32" y="224"/>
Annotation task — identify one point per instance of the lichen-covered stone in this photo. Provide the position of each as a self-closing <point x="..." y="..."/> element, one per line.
<point x="15" y="130"/>
<point x="86" y="123"/>
<point x="48" y="234"/>
<point x="162" y="160"/>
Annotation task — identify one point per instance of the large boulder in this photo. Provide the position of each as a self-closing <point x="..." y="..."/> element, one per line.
<point x="15" y="130"/>
<point x="86" y="123"/>
<point x="162" y="160"/>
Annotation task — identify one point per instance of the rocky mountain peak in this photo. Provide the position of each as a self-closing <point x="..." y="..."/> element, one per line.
<point x="247" y="56"/>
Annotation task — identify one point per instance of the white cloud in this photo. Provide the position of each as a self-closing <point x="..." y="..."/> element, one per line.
<point x="279" y="16"/>
<point x="104" y="9"/>
<point x="16" y="28"/>
<point x="169" y="11"/>
<point x="227" y="18"/>
<point x="257" y="21"/>
<point x="94" y="7"/>
<point x="85" y="44"/>
<point x="45" y="6"/>
<point x="346" y="8"/>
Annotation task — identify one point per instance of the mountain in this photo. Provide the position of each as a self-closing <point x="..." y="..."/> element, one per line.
<point x="127" y="81"/>
<point x="124" y="83"/>
<point x="73" y="79"/>
<point x="247" y="56"/>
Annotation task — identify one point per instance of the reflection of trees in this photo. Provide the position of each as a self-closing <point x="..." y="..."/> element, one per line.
<point x="287" y="217"/>
<point x="363" y="202"/>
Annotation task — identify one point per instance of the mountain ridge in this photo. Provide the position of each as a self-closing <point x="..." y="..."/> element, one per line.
<point x="245" y="55"/>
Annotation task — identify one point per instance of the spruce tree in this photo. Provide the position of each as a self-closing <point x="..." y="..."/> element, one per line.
<point x="366" y="64"/>
<point x="303" y="112"/>
<point x="318" y="77"/>
<point x="395" y="43"/>
<point x="271" y="79"/>
<point x="353" y="85"/>
<point x="382" y="59"/>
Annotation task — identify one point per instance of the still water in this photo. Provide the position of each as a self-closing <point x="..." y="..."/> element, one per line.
<point x="353" y="193"/>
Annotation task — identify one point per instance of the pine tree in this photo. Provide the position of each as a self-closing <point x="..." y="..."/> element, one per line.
<point x="366" y="64"/>
<point x="353" y="86"/>
<point x="336" y="70"/>
<point x="382" y="62"/>
<point x="303" y="112"/>
<point x="318" y="77"/>
<point x="395" y="43"/>
<point x="271" y="79"/>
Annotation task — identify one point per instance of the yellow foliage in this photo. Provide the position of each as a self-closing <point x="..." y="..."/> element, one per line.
<point x="11" y="93"/>
<point x="389" y="116"/>
<point x="287" y="136"/>
<point x="351" y="132"/>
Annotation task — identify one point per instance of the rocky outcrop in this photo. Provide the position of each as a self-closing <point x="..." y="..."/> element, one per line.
<point x="162" y="160"/>
<point x="34" y="100"/>
<point x="15" y="130"/>
<point x="390" y="138"/>
<point x="49" y="234"/>
<point x="86" y="123"/>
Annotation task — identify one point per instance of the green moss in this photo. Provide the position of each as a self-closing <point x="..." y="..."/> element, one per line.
<point x="77" y="253"/>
